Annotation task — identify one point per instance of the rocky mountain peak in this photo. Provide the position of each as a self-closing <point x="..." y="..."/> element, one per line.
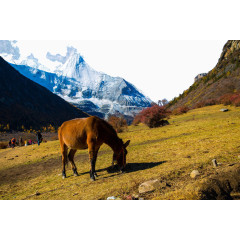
<point x="230" y="47"/>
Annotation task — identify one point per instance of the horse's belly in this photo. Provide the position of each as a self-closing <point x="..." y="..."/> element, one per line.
<point x="81" y="146"/>
<point x="77" y="146"/>
<point x="76" y="143"/>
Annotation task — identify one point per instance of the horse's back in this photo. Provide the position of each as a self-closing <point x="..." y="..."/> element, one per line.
<point x="74" y="133"/>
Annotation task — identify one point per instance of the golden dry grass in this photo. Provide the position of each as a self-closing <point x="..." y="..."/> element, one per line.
<point x="168" y="153"/>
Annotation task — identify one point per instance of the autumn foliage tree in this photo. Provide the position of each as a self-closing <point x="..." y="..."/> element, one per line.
<point x="180" y="110"/>
<point x="153" y="116"/>
<point x="118" y="123"/>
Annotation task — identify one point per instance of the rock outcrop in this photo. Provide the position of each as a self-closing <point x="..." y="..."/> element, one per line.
<point x="199" y="76"/>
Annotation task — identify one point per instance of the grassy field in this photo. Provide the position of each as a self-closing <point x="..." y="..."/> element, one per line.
<point x="168" y="153"/>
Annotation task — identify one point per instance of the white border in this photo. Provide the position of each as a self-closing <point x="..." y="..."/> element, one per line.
<point x="118" y="20"/>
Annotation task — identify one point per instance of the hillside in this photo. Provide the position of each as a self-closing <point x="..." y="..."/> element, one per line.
<point x="224" y="78"/>
<point x="25" y="103"/>
<point x="169" y="154"/>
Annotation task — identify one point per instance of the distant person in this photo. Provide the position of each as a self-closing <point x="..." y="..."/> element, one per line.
<point x="39" y="138"/>
<point x="20" y="141"/>
<point x="26" y="143"/>
<point x="13" y="142"/>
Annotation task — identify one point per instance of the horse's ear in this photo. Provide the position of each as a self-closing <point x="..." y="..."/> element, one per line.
<point x="126" y="144"/>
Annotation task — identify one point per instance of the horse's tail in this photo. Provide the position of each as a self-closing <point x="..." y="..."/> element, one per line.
<point x="63" y="146"/>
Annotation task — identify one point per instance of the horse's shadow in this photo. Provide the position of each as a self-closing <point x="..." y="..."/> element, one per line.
<point x="133" y="167"/>
<point x="130" y="167"/>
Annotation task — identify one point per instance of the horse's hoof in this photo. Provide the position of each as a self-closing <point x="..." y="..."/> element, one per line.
<point x="75" y="173"/>
<point x="92" y="179"/>
<point x="95" y="175"/>
<point x="63" y="174"/>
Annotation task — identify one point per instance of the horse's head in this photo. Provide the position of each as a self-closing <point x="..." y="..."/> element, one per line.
<point x="120" y="156"/>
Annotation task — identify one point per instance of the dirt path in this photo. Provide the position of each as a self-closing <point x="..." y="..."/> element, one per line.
<point x="30" y="171"/>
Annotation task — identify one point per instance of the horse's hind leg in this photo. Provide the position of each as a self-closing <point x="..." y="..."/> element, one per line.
<point x="64" y="150"/>
<point x="64" y="159"/>
<point x="70" y="158"/>
<point x="94" y="162"/>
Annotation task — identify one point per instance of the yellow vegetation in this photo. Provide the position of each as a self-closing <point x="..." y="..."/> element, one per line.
<point x="167" y="153"/>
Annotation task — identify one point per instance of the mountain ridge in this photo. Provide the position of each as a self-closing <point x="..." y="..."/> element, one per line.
<point x="26" y="103"/>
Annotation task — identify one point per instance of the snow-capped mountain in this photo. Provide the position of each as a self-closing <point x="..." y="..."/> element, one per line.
<point x="71" y="78"/>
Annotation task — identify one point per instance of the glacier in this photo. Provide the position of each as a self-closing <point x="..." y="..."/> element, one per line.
<point x="71" y="78"/>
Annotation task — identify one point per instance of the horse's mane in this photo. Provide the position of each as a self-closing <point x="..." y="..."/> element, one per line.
<point x="111" y="129"/>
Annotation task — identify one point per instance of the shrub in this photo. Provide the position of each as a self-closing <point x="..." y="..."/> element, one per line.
<point x="205" y="103"/>
<point x="230" y="99"/>
<point x="228" y="73"/>
<point x="180" y="110"/>
<point x="3" y="145"/>
<point x="118" y="123"/>
<point x="237" y="102"/>
<point x="211" y="102"/>
<point x="199" y="105"/>
<point x="136" y="120"/>
<point x="152" y="116"/>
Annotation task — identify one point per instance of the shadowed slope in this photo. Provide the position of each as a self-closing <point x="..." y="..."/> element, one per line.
<point x="23" y="102"/>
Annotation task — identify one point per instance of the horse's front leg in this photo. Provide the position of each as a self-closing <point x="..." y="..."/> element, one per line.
<point x="93" y="159"/>
<point x="92" y="163"/>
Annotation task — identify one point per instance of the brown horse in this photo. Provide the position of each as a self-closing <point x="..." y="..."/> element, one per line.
<point x="91" y="133"/>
